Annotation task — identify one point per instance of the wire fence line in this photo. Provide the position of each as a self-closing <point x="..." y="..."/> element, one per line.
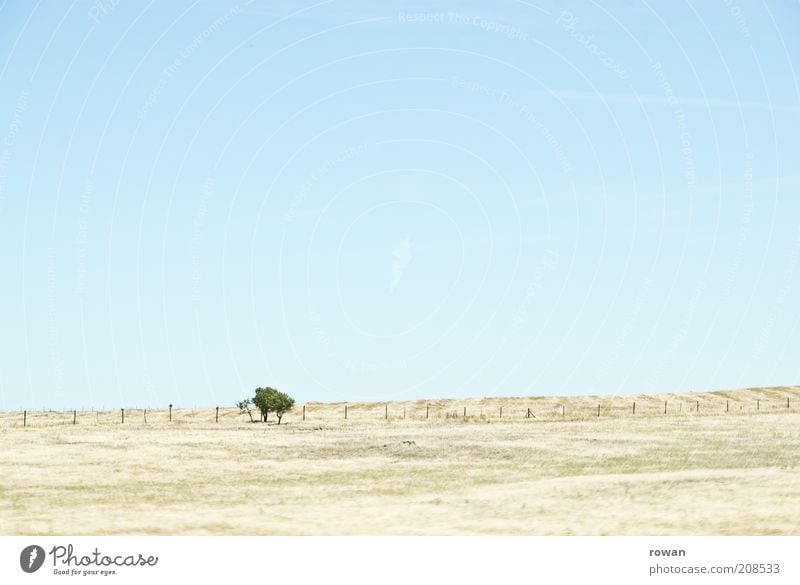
<point x="495" y="410"/>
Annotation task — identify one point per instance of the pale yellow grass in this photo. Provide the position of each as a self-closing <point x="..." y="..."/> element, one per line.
<point x="710" y="472"/>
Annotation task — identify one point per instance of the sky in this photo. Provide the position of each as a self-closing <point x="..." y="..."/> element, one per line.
<point x="352" y="200"/>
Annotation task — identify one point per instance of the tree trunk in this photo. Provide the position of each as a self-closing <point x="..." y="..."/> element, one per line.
<point x="280" y="416"/>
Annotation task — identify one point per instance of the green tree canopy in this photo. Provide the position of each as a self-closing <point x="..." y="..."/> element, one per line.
<point x="270" y="399"/>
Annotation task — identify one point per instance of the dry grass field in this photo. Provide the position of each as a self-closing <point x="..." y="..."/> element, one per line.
<point x="715" y="463"/>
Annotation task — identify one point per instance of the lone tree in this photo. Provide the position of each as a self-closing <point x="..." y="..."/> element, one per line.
<point x="281" y="403"/>
<point x="244" y="406"/>
<point x="270" y="399"/>
<point x="262" y="401"/>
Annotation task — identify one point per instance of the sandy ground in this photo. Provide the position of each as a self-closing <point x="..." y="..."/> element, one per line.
<point x="687" y="472"/>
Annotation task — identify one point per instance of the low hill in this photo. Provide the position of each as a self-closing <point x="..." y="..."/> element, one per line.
<point x="494" y="409"/>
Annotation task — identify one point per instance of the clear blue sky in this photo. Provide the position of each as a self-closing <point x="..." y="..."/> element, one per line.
<point x="355" y="200"/>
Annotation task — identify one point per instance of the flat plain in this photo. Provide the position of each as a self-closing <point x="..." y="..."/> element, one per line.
<point x="719" y="463"/>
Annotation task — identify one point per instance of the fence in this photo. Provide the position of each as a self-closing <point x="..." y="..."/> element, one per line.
<point x="496" y="410"/>
<point x="124" y="416"/>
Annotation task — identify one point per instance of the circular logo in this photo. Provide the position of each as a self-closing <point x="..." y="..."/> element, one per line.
<point x="31" y="558"/>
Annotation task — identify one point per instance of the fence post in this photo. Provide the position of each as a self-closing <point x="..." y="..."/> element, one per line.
<point x="74" y="417"/>
<point x="598" y="411"/>
<point x="727" y="405"/>
<point x="170" y="413"/>
<point x="386" y="411"/>
<point x="24" y="418"/>
<point x="465" y="412"/>
<point x="304" y="412"/>
<point x="562" y="411"/>
<point x="216" y="419"/>
<point x="501" y="412"/>
<point x="427" y="411"/>
<point x="698" y="406"/>
<point x="345" y="412"/>
<point x="665" y="407"/>
<point x="123" y="415"/>
<point x="758" y="405"/>
<point x="634" y="407"/>
<point x="404" y="412"/>
<point x="787" y="403"/>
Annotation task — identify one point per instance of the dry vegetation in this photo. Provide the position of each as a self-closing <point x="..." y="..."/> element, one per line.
<point x="687" y="472"/>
